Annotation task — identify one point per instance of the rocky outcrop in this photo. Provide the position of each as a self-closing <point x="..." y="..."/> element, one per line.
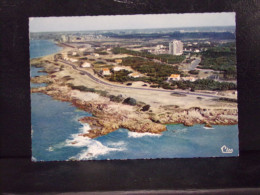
<point x="110" y="115"/>
<point x="102" y="126"/>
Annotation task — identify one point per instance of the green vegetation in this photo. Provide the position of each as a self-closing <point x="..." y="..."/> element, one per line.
<point x="120" y="76"/>
<point x="102" y="53"/>
<point x="167" y="58"/>
<point x="118" y="98"/>
<point x="194" y="72"/>
<point x="221" y="58"/>
<point x="150" y="68"/>
<point x="204" y="84"/>
<point x="86" y="89"/>
<point x="99" y="62"/>
<point x="228" y="100"/>
<point x="83" y="58"/>
<point x="155" y="73"/>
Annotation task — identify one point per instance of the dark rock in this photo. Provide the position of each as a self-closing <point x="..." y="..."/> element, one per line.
<point x="208" y="125"/>
<point x="145" y="108"/>
<point x="130" y="101"/>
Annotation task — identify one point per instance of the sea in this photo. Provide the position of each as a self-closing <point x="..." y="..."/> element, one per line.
<point x="56" y="129"/>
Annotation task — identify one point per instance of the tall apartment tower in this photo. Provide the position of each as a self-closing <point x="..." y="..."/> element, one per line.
<point x="176" y="47"/>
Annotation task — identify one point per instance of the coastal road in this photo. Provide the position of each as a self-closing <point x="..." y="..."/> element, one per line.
<point x="127" y="87"/>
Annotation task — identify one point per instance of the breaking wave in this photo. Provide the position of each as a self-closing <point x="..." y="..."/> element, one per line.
<point x="94" y="147"/>
<point x="139" y="135"/>
<point x="208" y="127"/>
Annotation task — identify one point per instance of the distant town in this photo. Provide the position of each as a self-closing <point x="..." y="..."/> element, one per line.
<point x="181" y="58"/>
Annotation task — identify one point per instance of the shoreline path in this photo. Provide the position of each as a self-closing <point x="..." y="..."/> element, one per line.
<point x="127" y="87"/>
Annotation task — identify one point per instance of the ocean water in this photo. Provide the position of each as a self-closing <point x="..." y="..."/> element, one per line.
<point x="56" y="134"/>
<point x="39" y="48"/>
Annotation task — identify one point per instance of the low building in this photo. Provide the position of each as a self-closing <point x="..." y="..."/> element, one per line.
<point x="86" y="65"/>
<point x="134" y="75"/>
<point x="95" y="54"/>
<point x="118" y="61"/>
<point x="191" y="79"/>
<point x="106" y="72"/>
<point x="174" y="77"/>
<point x="159" y="47"/>
<point x="118" y="68"/>
<point x="73" y="60"/>
<point x="74" y="53"/>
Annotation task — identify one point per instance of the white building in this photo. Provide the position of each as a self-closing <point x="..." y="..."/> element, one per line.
<point x="191" y="79"/>
<point x="134" y="75"/>
<point x="95" y="54"/>
<point x="73" y="60"/>
<point x="118" y="68"/>
<point x="174" y="77"/>
<point x="85" y="65"/>
<point x="63" y="38"/>
<point x="106" y="72"/>
<point x="176" y="47"/>
<point x="74" y="53"/>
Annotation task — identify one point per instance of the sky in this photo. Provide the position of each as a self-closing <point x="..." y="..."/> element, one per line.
<point x="85" y="23"/>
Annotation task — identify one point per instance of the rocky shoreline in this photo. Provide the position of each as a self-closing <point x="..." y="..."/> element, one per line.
<point x="106" y="119"/>
<point x="109" y="115"/>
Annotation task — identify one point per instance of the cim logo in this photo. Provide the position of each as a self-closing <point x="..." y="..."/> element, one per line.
<point x="226" y="150"/>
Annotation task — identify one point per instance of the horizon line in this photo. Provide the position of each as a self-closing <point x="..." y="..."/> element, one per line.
<point x="131" y="29"/>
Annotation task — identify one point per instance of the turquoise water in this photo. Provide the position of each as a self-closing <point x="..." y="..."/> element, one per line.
<point x="56" y="135"/>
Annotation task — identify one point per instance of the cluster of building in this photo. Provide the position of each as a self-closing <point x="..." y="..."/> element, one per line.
<point x="159" y="49"/>
<point x="177" y="77"/>
<point x="81" y="38"/>
<point x="175" y="48"/>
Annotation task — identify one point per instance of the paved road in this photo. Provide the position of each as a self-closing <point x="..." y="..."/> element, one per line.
<point x="194" y="64"/>
<point x="127" y="87"/>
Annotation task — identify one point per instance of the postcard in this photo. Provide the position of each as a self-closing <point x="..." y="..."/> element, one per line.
<point x="133" y="86"/>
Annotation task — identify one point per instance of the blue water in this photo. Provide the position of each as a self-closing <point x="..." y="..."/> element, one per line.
<point x="39" y="48"/>
<point x="56" y="134"/>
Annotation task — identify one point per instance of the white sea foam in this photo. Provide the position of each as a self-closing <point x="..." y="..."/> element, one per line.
<point x="85" y="128"/>
<point x="78" y="140"/>
<point x="34" y="159"/>
<point x="50" y="149"/>
<point x="139" y="135"/>
<point x="94" y="147"/>
<point x="208" y="127"/>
